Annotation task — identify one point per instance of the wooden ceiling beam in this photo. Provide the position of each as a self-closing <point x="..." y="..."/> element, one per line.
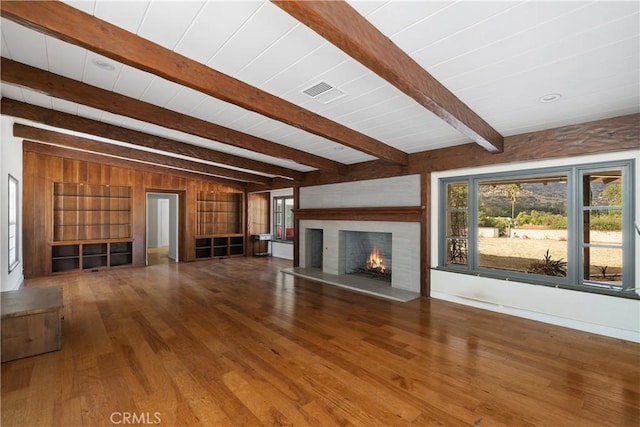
<point x="67" y="121"/>
<point x="601" y="136"/>
<point x="68" y="153"/>
<point x="343" y="26"/>
<point x="74" y="26"/>
<point x="90" y="145"/>
<point x="82" y="93"/>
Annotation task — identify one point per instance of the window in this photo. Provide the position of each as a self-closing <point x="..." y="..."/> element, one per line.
<point x="13" y="223"/>
<point x="602" y="221"/>
<point x="569" y="226"/>
<point x="457" y="223"/>
<point x="283" y="218"/>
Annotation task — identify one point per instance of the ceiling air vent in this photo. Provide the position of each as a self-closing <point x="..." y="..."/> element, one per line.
<point x="324" y="93"/>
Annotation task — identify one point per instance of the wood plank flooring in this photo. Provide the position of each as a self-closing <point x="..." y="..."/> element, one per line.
<point x="236" y="343"/>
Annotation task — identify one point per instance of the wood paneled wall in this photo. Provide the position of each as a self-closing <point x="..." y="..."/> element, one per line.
<point x="258" y="219"/>
<point x="41" y="170"/>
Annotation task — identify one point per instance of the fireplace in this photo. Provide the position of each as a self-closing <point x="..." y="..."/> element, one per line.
<point x="340" y="248"/>
<point x="367" y="253"/>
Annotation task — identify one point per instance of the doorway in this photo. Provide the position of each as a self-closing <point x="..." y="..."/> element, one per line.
<point x="162" y="228"/>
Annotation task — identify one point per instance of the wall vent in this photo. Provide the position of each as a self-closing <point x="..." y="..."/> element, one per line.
<point x="324" y="92"/>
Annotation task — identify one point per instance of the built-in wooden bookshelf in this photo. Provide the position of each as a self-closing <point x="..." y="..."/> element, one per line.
<point x="91" y="212"/>
<point x="219" y="222"/>
<point x="43" y="168"/>
<point x="91" y="227"/>
<point x="219" y="213"/>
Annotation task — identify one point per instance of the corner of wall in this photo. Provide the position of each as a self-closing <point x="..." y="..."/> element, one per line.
<point x="10" y="163"/>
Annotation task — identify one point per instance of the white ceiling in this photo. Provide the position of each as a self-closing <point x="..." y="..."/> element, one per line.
<point x="497" y="57"/>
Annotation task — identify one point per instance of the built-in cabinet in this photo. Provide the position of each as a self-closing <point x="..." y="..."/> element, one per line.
<point x="219" y="247"/>
<point x="91" y="227"/>
<point x="90" y="255"/>
<point x="219" y="224"/>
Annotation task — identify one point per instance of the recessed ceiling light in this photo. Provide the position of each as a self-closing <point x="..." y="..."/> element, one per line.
<point x="105" y="65"/>
<point x="550" y="97"/>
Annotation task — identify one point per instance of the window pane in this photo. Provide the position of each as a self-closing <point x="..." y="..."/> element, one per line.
<point x="283" y="218"/>
<point x="457" y="215"/>
<point x="288" y="218"/>
<point x="603" y="265"/>
<point x="603" y="188"/>
<point x="603" y="226"/>
<point x="457" y="196"/>
<point x="13" y="222"/>
<point x="457" y="251"/>
<point x="457" y="224"/>
<point x="277" y="218"/>
<point x="278" y="211"/>
<point x="523" y="225"/>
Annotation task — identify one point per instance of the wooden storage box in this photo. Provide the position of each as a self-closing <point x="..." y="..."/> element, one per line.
<point x="31" y="322"/>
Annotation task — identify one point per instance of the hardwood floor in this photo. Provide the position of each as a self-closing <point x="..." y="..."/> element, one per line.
<point x="158" y="255"/>
<point x="234" y="342"/>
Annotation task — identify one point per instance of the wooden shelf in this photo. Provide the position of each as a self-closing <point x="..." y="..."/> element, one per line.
<point x="219" y="246"/>
<point x="90" y="255"/>
<point x="219" y="232"/>
<point x="120" y="253"/>
<point x="219" y="213"/>
<point x="91" y="212"/>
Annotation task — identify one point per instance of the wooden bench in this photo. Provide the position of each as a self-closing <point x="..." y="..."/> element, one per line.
<point x="30" y="322"/>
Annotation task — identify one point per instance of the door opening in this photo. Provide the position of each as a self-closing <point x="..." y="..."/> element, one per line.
<point x="162" y="228"/>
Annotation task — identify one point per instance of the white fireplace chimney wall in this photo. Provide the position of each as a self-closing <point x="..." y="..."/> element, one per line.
<point x="384" y="192"/>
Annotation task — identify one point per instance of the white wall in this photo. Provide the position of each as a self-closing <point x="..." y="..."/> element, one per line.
<point x="152" y="223"/>
<point x="280" y="250"/>
<point x="158" y="216"/>
<point x="10" y="163"/>
<point x="385" y="192"/>
<point x="600" y="314"/>
<point x="172" y="237"/>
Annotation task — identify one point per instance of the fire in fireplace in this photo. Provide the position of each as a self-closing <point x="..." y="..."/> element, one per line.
<point x="375" y="262"/>
<point x="374" y="265"/>
<point x="367" y="253"/>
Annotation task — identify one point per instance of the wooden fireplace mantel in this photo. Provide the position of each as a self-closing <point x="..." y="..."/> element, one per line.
<point x="399" y="214"/>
